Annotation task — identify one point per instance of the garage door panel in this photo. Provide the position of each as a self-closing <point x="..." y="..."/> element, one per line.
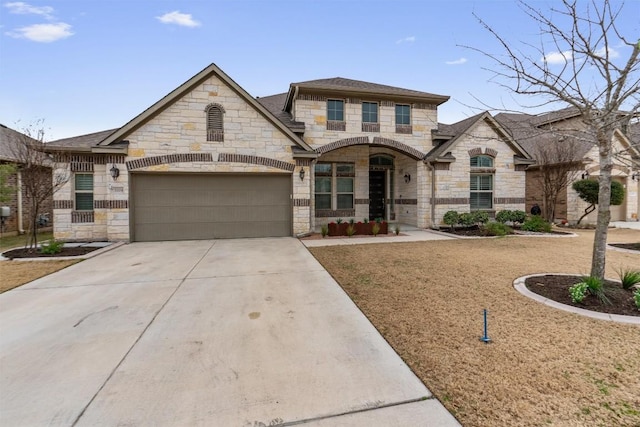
<point x="197" y="206"/>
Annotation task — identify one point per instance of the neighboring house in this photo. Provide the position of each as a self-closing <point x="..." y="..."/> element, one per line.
<point x="18" y="220"/>
<point x="542" y="134"/>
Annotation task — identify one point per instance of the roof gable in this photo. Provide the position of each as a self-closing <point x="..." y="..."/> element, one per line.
<point x="461" y="128"/>
<point x="9" y="138"/>
<point x="185" y="88"/>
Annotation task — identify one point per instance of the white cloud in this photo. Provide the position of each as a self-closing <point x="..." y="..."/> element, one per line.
<point x="457" y="61"/>
<point x="43" y="33"/>
<point x="175" y="17"/>
<point x="558" y="57"/>
<point x="612" y="52"/>
<point x="409" y="39"/>
<point x="22" y="8"/>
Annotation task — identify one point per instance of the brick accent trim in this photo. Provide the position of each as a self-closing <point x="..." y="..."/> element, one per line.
<point x="169" y="158"/>
<point x="370" y="127"/>
<point x="256" y="160"/>
<point x="451" y="201"/>
<point x="215" y="135"/>
<point x="490" y="152"/>
<point x="81" y="217"/>
<point x="354" y="101"/>
<point x="347" y="142"/>
<point x="475" y="151"/>
<point x="508" y="200"/>
<point x="81" y="166"/>
<point x="343" y="213"/>
<point x="303" y="162"/>
<point x="309" y="97"/>
<point x="63" y="204"/>
<point x="387" y="104"/>
<point x="215" y="104"/>
<point x="98" y="159"/>
<point x="406" y="201"/>
<point x="361" y="201"/>
<point x="336" y="125"/>
<point x="425" y="106"/>
<point x="301" y="202"/>
<point x="398" y="146"/>
<point x="110" y="204"/>
<point x="404" y="129"/>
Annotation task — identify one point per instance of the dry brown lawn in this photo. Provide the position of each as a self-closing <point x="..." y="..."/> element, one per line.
<point x="17" y="273"/>
<point x="544" y="366"/>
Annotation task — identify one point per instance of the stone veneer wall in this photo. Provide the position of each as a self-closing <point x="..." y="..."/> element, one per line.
<point x="453" y="188"/>
<point x="181" y="129"/>
<point x="314" y="114"/>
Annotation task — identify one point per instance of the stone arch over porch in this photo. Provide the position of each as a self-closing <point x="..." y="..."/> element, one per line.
<point x="376" y="141"/>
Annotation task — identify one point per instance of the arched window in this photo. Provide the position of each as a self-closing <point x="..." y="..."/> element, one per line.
<point x="215" y="122"/>
<point x="481" y="183"/>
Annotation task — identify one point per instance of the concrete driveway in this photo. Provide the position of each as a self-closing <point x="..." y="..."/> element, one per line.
<point x="250" y="332"/>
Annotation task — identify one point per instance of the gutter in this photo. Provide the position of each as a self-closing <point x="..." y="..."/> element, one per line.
<point x="433" y="192"/>
<point x="20" y="225"/>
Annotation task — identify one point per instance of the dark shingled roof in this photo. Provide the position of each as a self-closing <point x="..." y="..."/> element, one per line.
<point x="275" y="105"/>
<point x="525" y="129"/>
<point x="456" y="130"/>
<point x="83" y="141"/>
<point x="8" y="139"/>
<point x="341" y="84"/>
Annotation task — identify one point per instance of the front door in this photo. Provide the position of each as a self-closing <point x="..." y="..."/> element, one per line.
<point x="377" y="192"/>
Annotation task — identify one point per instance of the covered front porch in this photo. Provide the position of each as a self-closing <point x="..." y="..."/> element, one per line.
<point x="368" y="181"/>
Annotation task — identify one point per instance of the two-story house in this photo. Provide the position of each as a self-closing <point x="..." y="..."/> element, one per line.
<point x="210" y="161"/>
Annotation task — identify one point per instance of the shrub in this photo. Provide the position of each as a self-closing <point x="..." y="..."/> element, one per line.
<point x="396" y="229"/>
<point x="375" y="229"/>
<point x="480" y="217"/>
<point x="636" y="298"/>
<point x="451" y="218"/>
<point x="351" y="230"/>
<point x="366" y="220"/>
<point x="52" y="247"/>
<point x="596" y="288"/>
<point x="629" y="277"/>
<point x="352" y="221"/>
<point x="339" y="221"/>
<point x="504" y="216"/>
<point x="578" y="292"/>
<point x="466" y="219"/>
<point x="518" y="216"/>
<point x="324" y="230"/>
<point x="497" y="229"/>
<point x="536" y="223"/>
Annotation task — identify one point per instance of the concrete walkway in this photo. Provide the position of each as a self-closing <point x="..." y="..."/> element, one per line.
<point x="406" y="235"/>
<point x="250" y="332"/>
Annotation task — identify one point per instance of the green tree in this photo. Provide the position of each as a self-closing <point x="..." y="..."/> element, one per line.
<point x="588" y="190"/>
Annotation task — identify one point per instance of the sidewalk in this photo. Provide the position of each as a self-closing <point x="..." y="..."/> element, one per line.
<point x="409" y="235"/>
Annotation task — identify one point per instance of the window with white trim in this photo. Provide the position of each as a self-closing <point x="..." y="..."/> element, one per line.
<point x="83" y="188"/>
<point x="481" y="183"/>
<point x="334" y="186"/>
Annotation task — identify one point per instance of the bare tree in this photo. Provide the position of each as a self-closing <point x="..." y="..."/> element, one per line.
<point x="40" y="176"/>
<point x="599" y="77"/>
<point x="556" y="167"/>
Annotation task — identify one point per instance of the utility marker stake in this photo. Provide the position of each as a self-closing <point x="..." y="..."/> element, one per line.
<point x="485" y="338"/>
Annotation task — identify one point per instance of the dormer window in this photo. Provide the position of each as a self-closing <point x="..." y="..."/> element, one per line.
<point x="215" y="122"/>
<point x="335" y="114"/>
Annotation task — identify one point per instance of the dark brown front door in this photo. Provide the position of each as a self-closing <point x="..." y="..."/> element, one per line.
<point x="376" y="194"/>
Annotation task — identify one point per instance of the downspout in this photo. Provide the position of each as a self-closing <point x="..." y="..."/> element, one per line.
<point x="20" y="227"/>
<point x="433" y="193"/>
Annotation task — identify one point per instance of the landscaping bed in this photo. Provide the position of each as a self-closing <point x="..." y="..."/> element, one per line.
<point x="64" y="252"/>
<point x="556" y="288"/>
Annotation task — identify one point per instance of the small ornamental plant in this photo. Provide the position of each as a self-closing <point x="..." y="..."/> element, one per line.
<point x="339" y="221"/>
<point x="352" y="221"/>
<point x="396" y="229"/>
<point x="451" y="218"/>
<point x="324" y="230"/>
<point x="52" y="247"/>
<point x="375" y="229"/>
<point x="536" y="223"/>
<point x="578" y="292"/>
<point x="366" y="220"/>
<point x="636" y="298"/>
<point x="629" y="277"/>
<point x="351" y="230"/>
<point x="497" y="229"/>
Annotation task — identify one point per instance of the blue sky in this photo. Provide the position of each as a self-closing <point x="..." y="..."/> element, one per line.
<point x="90" y="65"/>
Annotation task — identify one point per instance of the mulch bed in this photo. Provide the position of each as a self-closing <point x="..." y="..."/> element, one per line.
<point x="66" y="252"/>
<point x="630" y="246"/>
<point x="556" y="288"/>
<point x="476" y="231"/>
